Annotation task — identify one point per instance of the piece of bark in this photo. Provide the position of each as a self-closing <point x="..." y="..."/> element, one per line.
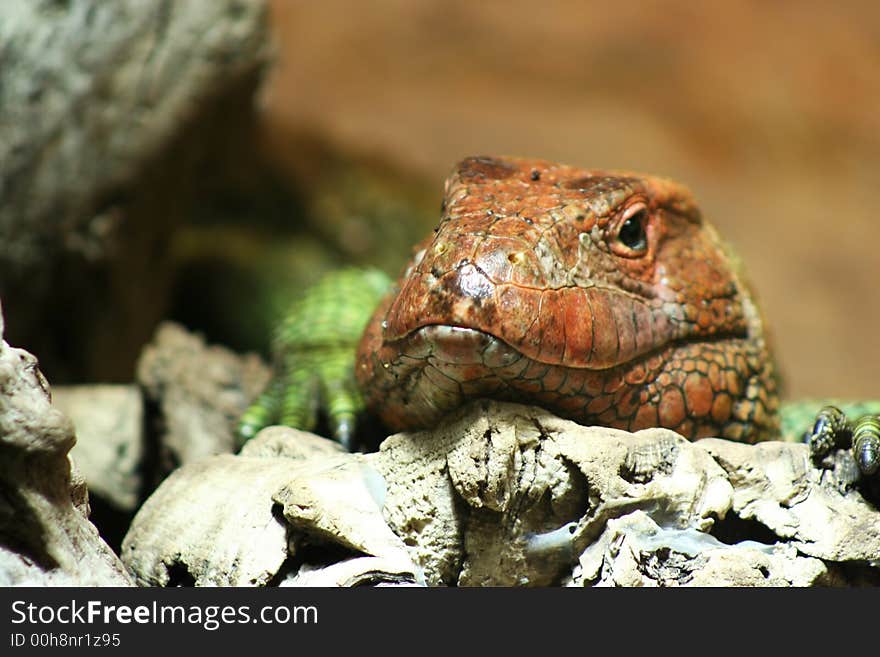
<point x="200" y="391"/>
<point x="45" y="536"/>
<point x="90" y="91"/>
<point x="110" y="449"/>
<point x="113" y="118"/>
<point x="254" y="520"/>
<point x="503" y="494"/>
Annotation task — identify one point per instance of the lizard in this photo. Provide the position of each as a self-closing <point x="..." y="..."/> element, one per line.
<point x="603" y="296"/>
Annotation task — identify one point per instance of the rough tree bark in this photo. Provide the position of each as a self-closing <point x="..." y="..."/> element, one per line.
<point x="90" y="91"/>
<point x="110" y="114"/>
<point x="502" y="494"/>
<point x="45" y="536"/>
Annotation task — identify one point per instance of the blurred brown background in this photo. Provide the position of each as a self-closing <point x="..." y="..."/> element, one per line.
<point x="210" y="182"/>
<point x="770" y="112"/>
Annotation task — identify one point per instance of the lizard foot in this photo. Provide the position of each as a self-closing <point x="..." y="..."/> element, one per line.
<point x="314" y="355"/>
<point x="832" y="430"/>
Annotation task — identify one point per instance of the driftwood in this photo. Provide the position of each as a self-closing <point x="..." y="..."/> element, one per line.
<point x="504" y="494"/>
<point x="107" y="109"/>
<point x="45" y="535"/>
<point x="114" y="117"/>
<point x="90" y="91"/>
<point x="199" y="390"/>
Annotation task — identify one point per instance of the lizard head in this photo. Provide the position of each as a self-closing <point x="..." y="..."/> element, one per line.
<point x="602" y="296"/>
<point x="582" y="268"/>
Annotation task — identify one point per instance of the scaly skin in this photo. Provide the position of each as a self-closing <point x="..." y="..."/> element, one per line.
<point x="528" y="291"/>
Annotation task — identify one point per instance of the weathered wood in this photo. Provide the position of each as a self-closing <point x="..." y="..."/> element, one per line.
<point x="112" y="117"/>
<point x="45" y="535"/>
<point x="89" y="91"/>
<point x="502" y="494"/>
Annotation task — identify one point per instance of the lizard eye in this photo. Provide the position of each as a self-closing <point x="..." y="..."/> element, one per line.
<point x="631" y="237"/>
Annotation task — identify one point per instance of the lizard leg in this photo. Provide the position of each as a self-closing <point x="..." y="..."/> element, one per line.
<point x="315" y="346"/>
<point x="300" y="400"/>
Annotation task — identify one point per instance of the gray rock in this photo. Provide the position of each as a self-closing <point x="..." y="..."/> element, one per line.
<point x="510" y="495"/>
<point x="635" y="551"/>
<point x="778" y="486"/>
<point x="112" y="116"/>
<point x="290" y="443"/>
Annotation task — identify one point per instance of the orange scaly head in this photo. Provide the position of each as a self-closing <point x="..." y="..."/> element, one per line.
<point x="602" y="296"/>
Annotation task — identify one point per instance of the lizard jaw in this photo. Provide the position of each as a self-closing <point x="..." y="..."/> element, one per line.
<point x="690" y="386"/>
